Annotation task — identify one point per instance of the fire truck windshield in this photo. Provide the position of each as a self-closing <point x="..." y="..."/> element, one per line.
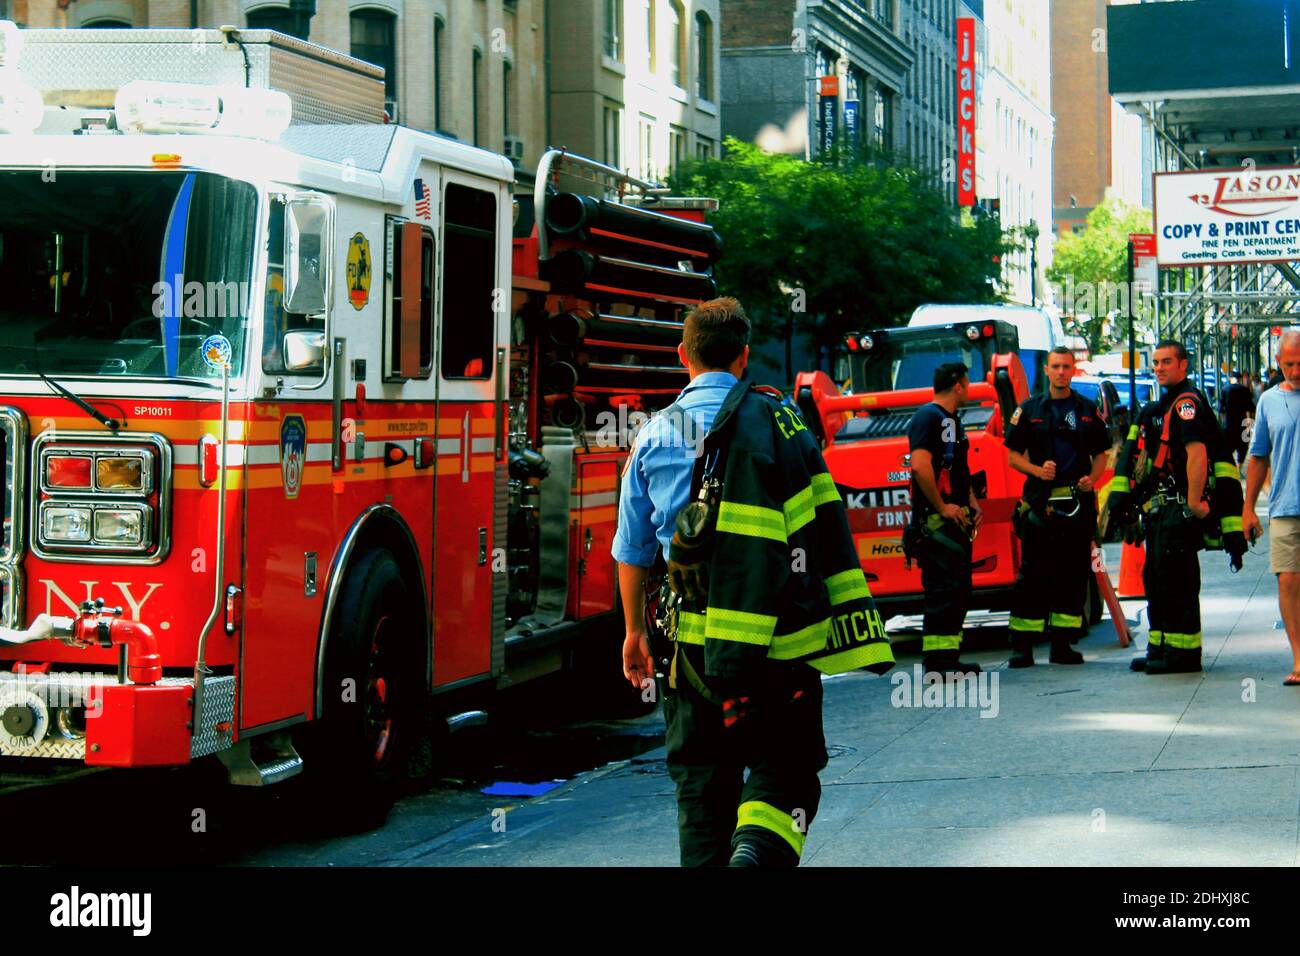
<point x="907" y="359"/>
<point x="123" y="273"/>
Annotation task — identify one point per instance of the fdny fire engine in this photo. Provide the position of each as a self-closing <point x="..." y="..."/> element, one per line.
<point x="310" y="427"/>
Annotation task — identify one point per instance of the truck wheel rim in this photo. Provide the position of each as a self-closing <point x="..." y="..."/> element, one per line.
<point x="379" y="717"/>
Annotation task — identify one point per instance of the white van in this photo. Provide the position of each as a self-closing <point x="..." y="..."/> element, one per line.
<point x="1038" y="331"/>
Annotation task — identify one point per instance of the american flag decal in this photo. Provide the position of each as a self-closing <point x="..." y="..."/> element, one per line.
<point x="423" y="209"/>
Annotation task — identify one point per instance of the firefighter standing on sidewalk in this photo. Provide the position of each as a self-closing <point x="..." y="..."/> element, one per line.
<point x="945" y="516"/>
<point x="771" y="597"/>
<point x="1179" y="431"/>
<point x="1060" y="442"/>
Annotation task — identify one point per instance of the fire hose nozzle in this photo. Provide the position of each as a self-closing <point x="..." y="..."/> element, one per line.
<point x="44" y="628"/>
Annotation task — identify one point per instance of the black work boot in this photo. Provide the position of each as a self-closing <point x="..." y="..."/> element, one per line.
<point x="1022" y="650"/>
<point x="1155" y="655"/>
<point x="1062" y="652"/>
<point x="1177" y="660"/>
<point x="946" y="662"/>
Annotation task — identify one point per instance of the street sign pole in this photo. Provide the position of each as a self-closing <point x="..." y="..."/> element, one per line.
<point x="1132" y="344"/>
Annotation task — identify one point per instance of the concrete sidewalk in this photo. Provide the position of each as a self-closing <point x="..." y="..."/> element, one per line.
<point x="1091" y="765"/>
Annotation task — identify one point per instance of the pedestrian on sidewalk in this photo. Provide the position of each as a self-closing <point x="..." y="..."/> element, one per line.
<point x="945" y="517"/>
<point x="1059" y="442"/>
<point x="1275" y="447"/>
<point x="771" y="593"/>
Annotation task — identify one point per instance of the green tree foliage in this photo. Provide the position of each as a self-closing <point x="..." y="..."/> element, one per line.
<point x="1089" y="271"/>
<point x="826" y="248"/>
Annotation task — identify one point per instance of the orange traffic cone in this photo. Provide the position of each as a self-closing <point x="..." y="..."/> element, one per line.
<point x="1131" y="562"/>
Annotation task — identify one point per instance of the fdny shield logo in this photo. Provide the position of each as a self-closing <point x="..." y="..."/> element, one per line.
<point x="1186" y="411"/>
<point x="293" y="453"/>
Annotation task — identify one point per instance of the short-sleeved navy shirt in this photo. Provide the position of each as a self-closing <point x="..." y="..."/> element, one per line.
<point x="1068" y="431"/>
<point x="940" y="433"/>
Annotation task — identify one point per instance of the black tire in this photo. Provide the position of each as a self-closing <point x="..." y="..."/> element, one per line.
<point x="357" y="753"/>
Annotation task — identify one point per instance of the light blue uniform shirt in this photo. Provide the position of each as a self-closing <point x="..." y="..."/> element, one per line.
<point x="1277" y="438"/>
<point x="657" y="481"/>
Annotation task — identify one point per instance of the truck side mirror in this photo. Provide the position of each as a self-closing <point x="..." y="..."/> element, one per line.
<point x="303" y="350"/>
<point x="306" y="267"/>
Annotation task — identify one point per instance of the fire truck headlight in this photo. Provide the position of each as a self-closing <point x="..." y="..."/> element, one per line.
<point x="65" y="523"/>
<point x="972" y="332"/>
<point x="119" y="527"/>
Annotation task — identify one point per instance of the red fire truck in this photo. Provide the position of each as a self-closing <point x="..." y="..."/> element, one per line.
<point x="310" y="428"/>
<point x="866" y="449"/>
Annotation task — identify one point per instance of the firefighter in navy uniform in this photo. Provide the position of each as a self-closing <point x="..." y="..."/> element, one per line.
<point x="1060" y="442"/>
<point x="1179" y="434"/>
<point x="945" y="516"/>
<point x="770" y="595"/>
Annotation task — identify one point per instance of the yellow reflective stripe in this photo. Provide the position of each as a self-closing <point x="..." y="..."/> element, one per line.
<point x="934" y="522"/>
<point x="800" y="643"/>
<point x="864" y="655"/>
<point x="824" y="490"/>
<point x="743" y="627"/>
<point x="940" y="642"/>
<point x="1184" y="642"/>
<point x="1062" y="492"/>
<point x="1156" y="638"/>
<point x="756" y="813"/>
<point x="1229" y="525"/>
<point x="1133" y="433"/>
<point x="752" y="520"/>
<point x="1035" y="625"/>
<point x="850" y="585"/>
<point x="1066" y="620"/>
<point x="799" y="510"/>
<point x="1226" y="469"/>
<point x="690" y="627"/>
<point x="1120" y="483"/>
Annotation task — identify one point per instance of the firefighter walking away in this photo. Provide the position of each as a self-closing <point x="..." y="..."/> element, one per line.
<point x="1059" y="442"/>
<point x="768" y="596"/>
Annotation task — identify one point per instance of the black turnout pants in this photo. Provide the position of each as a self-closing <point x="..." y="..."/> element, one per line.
<point x="780" y="742"/>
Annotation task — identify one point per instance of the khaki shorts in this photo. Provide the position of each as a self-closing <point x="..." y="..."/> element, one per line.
<point x="1284" y="544"/>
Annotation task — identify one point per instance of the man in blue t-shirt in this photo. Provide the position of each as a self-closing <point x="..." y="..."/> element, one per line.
<point x="1275" y="447"/>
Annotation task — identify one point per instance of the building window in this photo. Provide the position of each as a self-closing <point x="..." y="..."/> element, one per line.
<point x="613" y="124"/>
<point x="649" y="35"/>
<point x="884" y="116"/>
<point x="675" y="57"/>
<point x="703" y="147"/>
<point x="438" y="29"/>
<point x="263" y="18"/>
<point x="646" y="143"/>
<point x="374" y="39"/>
<point x="476" y="79"/>
<point x="506" y="72"/>
<point x="676" y="146"/>
<point x="704" y="55"/>
<point x="614" y="29"/>
<point x="885" y="12"/>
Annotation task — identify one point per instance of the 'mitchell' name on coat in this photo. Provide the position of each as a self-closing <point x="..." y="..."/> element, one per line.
<point x="78" y="909"/>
